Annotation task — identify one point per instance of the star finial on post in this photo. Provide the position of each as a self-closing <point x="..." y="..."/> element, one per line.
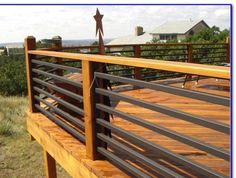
<point x="99" y="29"/>
<point x="98" y="17"/>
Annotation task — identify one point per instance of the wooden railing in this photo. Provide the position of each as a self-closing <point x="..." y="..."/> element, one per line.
<point x="75" y="98"/>
<point x="202" y="53"/>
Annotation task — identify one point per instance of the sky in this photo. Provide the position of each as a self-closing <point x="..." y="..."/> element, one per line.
<point x="76" y="22"/>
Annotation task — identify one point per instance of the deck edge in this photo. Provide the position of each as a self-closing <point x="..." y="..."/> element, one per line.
<point x="73" y="166"/>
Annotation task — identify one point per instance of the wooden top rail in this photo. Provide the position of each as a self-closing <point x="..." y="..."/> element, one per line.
<point x="182" y="67"/>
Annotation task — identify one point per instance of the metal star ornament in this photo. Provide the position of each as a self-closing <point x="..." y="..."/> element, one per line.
<point x="98" y="17"/>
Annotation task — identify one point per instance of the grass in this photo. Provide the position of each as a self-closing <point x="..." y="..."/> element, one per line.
<point x="19" y="157"/>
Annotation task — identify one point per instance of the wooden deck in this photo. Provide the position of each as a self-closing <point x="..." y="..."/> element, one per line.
<point x="70" y="153"/>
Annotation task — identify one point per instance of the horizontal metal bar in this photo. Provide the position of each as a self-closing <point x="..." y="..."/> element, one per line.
<point x="59" y="89"/>
<point x="126" y="51"/>
<point x="204" y="170"/>
<point x="212" y="52"/>
<point x="62" y="124"/>
<point x="164" y="49"/>
<point x="160" y="55"/>
<point x="207" y="57"/>
<point x="206" y="122"/>
<point x="126" y="166"/>
<point x="67" y="116"/>
<point x="137" y="156"/>
<point x="58" y="66"/>
<point x="203" y="48"/>
<point x="64" y="103"/>
<point x="59" y="78"/>
<point x="169" y="89"/>
<point x="219" y="152"/>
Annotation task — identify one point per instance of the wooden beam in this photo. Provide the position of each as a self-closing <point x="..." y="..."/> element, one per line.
<point x="50" y="165"/>
<point x="30" y="44"/>
<point x="74" y="166"/>
<point x="182" y="67"/>
<point x="88" y="101"/>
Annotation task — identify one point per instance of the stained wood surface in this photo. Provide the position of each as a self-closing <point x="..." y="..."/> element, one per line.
<point x="50" y="165"/>
<point x="182" y="67"/>
<point x="71" y="154"/>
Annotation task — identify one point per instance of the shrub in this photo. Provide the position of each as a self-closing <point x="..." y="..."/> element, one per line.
<point x="12" y="76"/>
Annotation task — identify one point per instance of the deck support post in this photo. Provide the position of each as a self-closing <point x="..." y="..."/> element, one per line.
<point x="50" y="165"/>
<point x="137" y="54"/>
<point x="30" y="44"/>
<point x="89" y="111"/>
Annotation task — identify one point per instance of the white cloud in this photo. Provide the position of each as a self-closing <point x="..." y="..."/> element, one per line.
<point x="76" y="22"/>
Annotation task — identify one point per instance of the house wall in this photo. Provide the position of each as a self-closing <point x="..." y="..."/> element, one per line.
<point x="181" y="37"/>
<point x="196" y="29"/>
<point x="156" y="36"/>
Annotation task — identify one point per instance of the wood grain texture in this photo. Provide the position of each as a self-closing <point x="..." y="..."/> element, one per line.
<point x="50" y="165"/>
<point x="182" y="67"/>
<point x="30" y="44"/>
<point x="88" y="110"/>
<point x="71" y="154"/>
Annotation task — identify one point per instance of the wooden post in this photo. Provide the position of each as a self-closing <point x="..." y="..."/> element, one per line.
<point x="89" y="115"/>
<point x="50" y="165"/>
<point x="137" y="54"/>
<point x="57" y="43"/>
<point x="57" y="46"/>
<point x="190" y="53"/>
<point x="30" y="44"/>
<point x="189" y="60"/>
<point x="228" y="50"/>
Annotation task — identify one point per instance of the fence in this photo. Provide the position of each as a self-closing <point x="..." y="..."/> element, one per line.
<point x="76" y="97"/>
<point x="202" y="53"/>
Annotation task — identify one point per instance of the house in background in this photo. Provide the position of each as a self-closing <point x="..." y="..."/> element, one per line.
<point x="178" y="30"/>
<point x="15" y="49"/>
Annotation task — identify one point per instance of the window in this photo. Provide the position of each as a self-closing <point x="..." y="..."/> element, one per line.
<point x="168" y="36"/>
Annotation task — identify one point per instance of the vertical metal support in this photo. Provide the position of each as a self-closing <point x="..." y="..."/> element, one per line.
<point x="50" y="165"/>
<point x="57" y="46"/>
<point x="189" y="60"/>
<point x="228" y="50"/>
<point x="30" y="44"/>
<point x="190" y="53"/>
<point x="137" y="54"/>
<point x="89" y="111"/>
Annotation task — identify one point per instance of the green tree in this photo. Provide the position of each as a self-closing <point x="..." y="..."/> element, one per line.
<point x="212" y="34"/>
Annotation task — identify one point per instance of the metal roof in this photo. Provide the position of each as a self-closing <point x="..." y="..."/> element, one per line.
<point x="176" y="27"/>
<point x="132" y="39"/>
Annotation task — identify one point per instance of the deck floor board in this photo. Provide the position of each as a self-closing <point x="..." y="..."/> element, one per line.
<point x="103" y="168"/>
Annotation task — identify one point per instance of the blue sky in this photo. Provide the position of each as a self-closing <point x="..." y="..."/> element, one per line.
<point x="76" y="22"/>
